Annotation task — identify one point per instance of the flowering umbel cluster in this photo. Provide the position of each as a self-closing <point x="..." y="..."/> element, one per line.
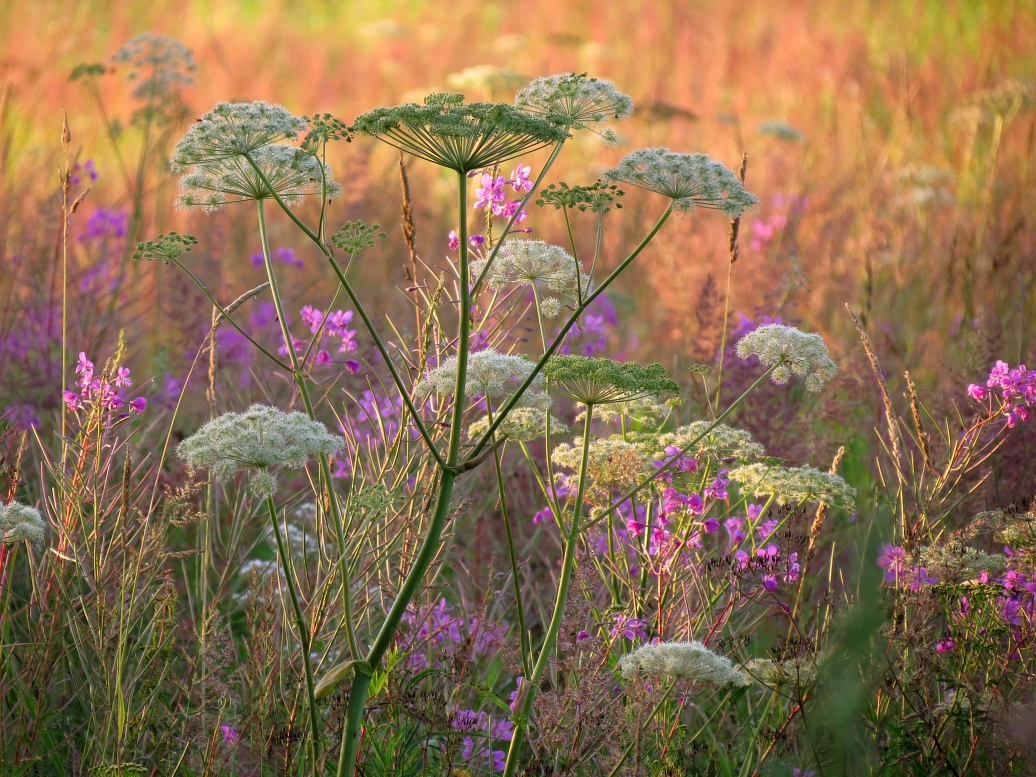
<point x="592" y="381"/>
<point x="460" y="136"/>
<point x="531" y="262"/>
<point x="259" y="438"/>
<point x="685" y="660"/>
<point x="799" y="353"/>
<point x="522" y="424"/>
<point x="18" y="523"/>
<point x="795" y="485"/>
<point x="573" y="100"/>
<point x="689" y="180"/>
<point x="232" y="130"/>
<point x="489" y="374"/>
<point x="159" y="65"/>
<point x="720" y="442"/>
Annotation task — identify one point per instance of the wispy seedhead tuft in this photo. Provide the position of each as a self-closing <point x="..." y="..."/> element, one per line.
<point x="531" y="262"/>
<point x="593" y="381"/>
<point x="681" y="660"/>
<point x="794" y="485"/>
<point x="232" y="130"/>
<point x="800" y="353"/>
<point x="576" y="101"/>
<point x="19" y="522"/>
<point x="259" y="438"/>
<point x="689" y="180"/>
<point x="460" y="136"/>
<point x="165" y="247"/>
<point x="292" y="173"/>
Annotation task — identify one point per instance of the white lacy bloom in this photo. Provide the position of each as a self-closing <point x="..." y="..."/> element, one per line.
<point x="803" y="354"/>
<point x="533" y="261"/>
<point x="160" y="65"/>
<point x="796" y="672"/>
<point x="686" y="660"/>
<point x="259" y="438"/>
<point x="795" y="485"/>
<point x="550" y="307"/>
<point x="689" y="180"/>
<point x="645" y="410"/>
<point x="18" y="523"/>
<point x="612" y="463"/>
<point x="721" y="442"/>
<point x="235" y="129"/>
<point x="521" y="424"/>
<point x="490" y="373"/>
<point x="292" y="173"/>
<point x="576" y="101"/>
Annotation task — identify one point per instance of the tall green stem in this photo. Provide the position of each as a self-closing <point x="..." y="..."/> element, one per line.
<point x="525" y="696"/>
<point x="430" y="545"/>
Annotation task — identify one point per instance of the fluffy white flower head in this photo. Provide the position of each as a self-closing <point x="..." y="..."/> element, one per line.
<point x="550" y="307"/>
<point x="292" y="173"/>
<point x="689" y="180"/>
<point x="576" y="101"/>
<point x="521" y="424"/>
<point x="259" y="438"/>
<point x="489" y="373"/>
<point x="720" y="443"/>
<point x="159" y="65"/>
<point x="795" y="485"/>
<point x="235" y="129"/>
<point x="802" y="354"/>
<point x="684" y="660"/>
<point x="531" y="262"/>
<point x="18" y="523"/>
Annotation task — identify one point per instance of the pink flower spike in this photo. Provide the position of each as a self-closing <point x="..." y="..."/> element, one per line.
<point x="454" y="240"/>
<point x="138" y="405"/>
<point x="312" y="317"/>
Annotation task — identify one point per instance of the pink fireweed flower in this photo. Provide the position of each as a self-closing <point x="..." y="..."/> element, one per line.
<point x="770" y="583"/>
<point x="352" y="365"/>
<point x="85" y="369"/>
<point x="977" y="392"/>
<point x="72" y="400"/>
<point x="477" y="240"/>
<point x="766" y="528"/>
<point x="581" y="636"/>
<point x="335" y="324"/>
<point x="520" y="180"/>
<point x="544" y="515"/>
<point x="754" y="511"/>
<point x="946" y="646"/>
<point x="735" y="528"/>
<point x="711" y="525"/>
<point x="122" y="377"/>
<point x="454" y="240"/>
<point x="323" y="358"/>
<point x="627" y="627"/>
<point x="511" y="208"/>
<point x="229" y="734"/>
<point x="792" y="572"/>
<point x="695" y="504"/>
<point x="312" y="317"/>
<point x="491" y="193"/>
<point x="635" y="528"/>
<point x="138" y="405"/>
<point x="348" y="341"/>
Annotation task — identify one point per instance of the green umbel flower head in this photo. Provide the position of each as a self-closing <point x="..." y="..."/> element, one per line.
<point x="259" y="438"/>
<point x="573" y="100"/>
<point x="593" y="381"/>
<point x="689" y="180"/>
<point x="165" y="247"/>
<point x="460" y="136"/>
<point x="795" y="485"/>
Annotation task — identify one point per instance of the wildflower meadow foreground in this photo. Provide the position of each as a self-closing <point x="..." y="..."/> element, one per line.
<point x="279" y="573"/>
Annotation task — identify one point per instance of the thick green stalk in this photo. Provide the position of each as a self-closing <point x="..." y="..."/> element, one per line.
<point x="314" y="717"/>
<point x="522" y="707"/>
<point x="430" y="545"/>
<point x="522" y="633"/>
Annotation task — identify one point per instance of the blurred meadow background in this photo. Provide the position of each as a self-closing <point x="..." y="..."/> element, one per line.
<point x="891" y="144"/>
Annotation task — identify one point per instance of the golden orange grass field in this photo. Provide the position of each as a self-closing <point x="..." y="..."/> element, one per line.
<point x="872" y="86"/>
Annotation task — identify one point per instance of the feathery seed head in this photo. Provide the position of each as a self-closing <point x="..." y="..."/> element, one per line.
<point x="802" y="354"/>
<point x="291" y="172"/>
<point x="489" y="373"/>
<point x="259" y="438"/>
<point x="233" y="129"/>
<point x="521" y="425"/>
<point x="534" y="261"/>
<point x="573" y="100"/>
<point x="593" y="381"/>
<point x="794" y="485"/>
<point x="686" y="660"/>
<point x="460" y="136"/>
<point x="689" y="180"/>
<point x="18" y="522"/>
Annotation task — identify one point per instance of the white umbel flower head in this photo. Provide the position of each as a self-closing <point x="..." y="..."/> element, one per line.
<point x="795" y="485"/>
<point x="489" y="373"/>
<point x="521" y="425"/>
<point x="550" y="307"/>
<point x="234" y="129"/>
<point x="292" y="173"/>
<point x="531" y="262"/>
<point x="681" y="660"/>
<point x="573" y="100"/>
<point x="159" y="65"/>
<point x="20" y="523"/>
<point x="801" y="353"/>
<point x="259" y="438"/>
<point x="720" y="443"/>
<point x="689" y="180"/>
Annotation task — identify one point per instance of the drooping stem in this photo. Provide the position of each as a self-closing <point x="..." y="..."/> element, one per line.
<point x="300" y="623"/>
<point x="523" y="705"/>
